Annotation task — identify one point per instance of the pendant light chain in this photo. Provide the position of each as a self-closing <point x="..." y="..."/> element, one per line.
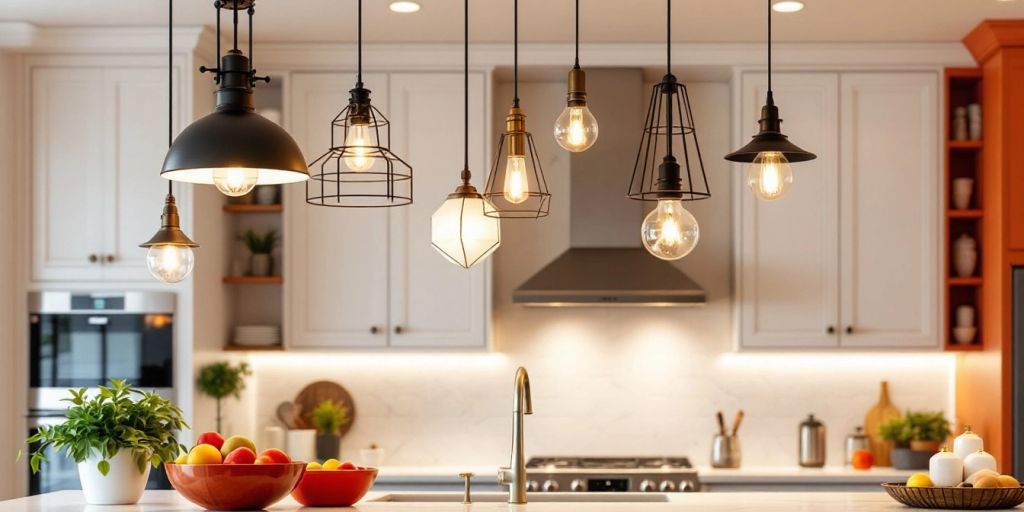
<point x="515" y="52"/>
<point x="577" y="64"/>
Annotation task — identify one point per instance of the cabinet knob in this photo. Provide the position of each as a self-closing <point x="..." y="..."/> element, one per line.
<point x="849" y="329"/>
<point x="93" y="258"/>
<point x="374" y="329"/>
<point x="831" y="329"/>
<point x="398" y="329"/>
<point x="110" y="258"/>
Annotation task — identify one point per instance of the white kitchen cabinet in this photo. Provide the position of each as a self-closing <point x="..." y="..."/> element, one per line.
<point x="369" y="278"/>
<point x="98" y="140"/>
<point x="859" y="223"/>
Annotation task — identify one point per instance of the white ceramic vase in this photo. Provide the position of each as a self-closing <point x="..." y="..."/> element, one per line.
<point x="122" y="485"/>
<point x="962" y="190"/>
<point x="965" y="256"/>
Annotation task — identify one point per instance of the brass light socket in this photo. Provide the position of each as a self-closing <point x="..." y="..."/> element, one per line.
<point x="515" y="127"/>
<point x="170" y="232"/>
<point x="577" y="88"/>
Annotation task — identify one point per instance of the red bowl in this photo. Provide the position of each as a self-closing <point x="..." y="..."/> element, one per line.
<point x="334" y="488"/>
<point x="234" y="486"/>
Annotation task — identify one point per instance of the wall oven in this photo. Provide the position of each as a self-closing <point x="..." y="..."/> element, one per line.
<point x="81" y="339"/>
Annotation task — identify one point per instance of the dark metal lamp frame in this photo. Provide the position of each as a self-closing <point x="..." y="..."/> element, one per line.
<point x="518" y="142"/>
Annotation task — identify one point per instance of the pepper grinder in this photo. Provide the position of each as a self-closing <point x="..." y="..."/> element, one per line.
<point x="812" y="443"/>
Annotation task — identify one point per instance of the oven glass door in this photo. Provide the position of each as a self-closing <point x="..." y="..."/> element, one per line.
<point x="87" y="350"/>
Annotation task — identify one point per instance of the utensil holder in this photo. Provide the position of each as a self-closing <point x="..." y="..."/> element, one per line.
<point x="725" y="451"/>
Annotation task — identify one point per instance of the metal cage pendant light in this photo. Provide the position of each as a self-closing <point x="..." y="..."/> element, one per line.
<point x="460" y="229"/>
<point x="770" y="152"/>
<point x="361" y="171"/>
<point x="576" y="126"/>
<point x="170" y="258"/>
<point x="516" y="185"/>
<point x="234" y="148"/>
<point x="669" y="231"/>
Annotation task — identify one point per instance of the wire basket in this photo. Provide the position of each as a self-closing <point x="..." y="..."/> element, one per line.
<point x="963" y="498"/>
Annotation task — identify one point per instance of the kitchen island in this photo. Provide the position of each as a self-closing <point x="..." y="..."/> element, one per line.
<point x="167" y="501"/>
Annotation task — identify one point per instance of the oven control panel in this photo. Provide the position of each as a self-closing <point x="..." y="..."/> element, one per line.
<point x="667" y="481"/>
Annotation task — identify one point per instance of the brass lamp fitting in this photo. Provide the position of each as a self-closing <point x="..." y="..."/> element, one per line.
<point x="577" y="88"/>
<point x="515" y="127"/>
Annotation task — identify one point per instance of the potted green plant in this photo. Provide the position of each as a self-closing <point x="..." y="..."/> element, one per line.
<point x="115" y="437"/>
<point x="329" y="418"/>
<point x="916" y="436"/>
<point x="261" y="247"/>
<point x="221" y="380"/>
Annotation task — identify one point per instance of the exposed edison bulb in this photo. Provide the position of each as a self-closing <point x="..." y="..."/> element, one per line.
<point x="359" y="145"/>
<point x="517" y="186"/>
<point x="235" y="181"/>
<point x="670" y="231"/>
<point x="170" y="263"/>
<point x="769" y="175"/>
<point x="576" y="129"/>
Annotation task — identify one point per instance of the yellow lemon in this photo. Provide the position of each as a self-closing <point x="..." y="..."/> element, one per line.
<point x="331" y="464"/>
<point x="313" y="465"/>
<point x="919" y="480"/>
<point x="181" y="458"/>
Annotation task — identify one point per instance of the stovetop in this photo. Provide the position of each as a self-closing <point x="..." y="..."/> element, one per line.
<point x="609" y="463"/>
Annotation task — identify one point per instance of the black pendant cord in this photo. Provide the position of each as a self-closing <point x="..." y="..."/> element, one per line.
<point x="465" y="100"/>
<point x="669" y="88"/>
<point x="234" y="21"/>
<point x="771" y="100"/>
<point x="359" y="44"/>
<point x="250" y="12"/>
<point x="515" y="53"/>
<point x="577" y="64"/>
<point x="170" y="83"/>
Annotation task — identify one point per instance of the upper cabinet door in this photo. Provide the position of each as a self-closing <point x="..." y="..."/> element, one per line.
<point x="433" y="302"/>
<point x="69" y="133"/>
<point x="336" y="274"/>
<point x="890" y="183"/>
<point x="788" y="249"/>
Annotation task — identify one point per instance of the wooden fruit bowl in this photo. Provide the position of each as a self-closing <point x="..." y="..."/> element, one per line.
<point x="963" y="498"/>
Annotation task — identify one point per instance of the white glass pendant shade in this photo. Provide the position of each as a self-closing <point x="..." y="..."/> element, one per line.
<point x="461" y="230"/>
<point x="769" y="176"/>
<point x="170" y="263"/>
<point x="576" y="129"/>
<point x="670" y="231"/>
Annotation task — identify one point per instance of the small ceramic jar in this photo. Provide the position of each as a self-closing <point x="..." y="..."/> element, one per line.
<point x="978" y="461"/>
<point x="968" y="442"/>
<point x="945" y="469"/>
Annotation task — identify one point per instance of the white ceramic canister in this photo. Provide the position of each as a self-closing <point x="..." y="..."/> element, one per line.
<point x="968" y="442"/>
<point x="978" y="461"/>
<point x="945" y="469"/>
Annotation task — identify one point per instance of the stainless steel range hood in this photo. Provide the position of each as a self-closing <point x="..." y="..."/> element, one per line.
<point x="605" y="264"/>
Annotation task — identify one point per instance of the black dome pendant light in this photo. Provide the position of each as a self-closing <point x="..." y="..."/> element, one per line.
<point x="234" y="148"/>
<point x="670" y="231"/>
<point x="770" y="152"/>
<point x="362" y="171"/>
<point x="170" y="258"/>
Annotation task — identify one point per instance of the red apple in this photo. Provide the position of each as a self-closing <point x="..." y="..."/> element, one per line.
<point x="347" y="465"/>
<point x="241" y="455"/>
<point x="276" y="456"/>
<point x="263" y="459"/>
<point x="211" y="438"/>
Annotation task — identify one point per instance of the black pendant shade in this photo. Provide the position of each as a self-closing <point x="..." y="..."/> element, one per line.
<point x="770" y="139"/>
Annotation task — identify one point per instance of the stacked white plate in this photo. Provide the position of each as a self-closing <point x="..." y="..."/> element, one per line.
<point x="257" y="335"/>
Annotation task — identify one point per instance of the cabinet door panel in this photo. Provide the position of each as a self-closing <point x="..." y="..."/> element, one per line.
<point x="889" y="181"/>
<point x="336" y="274"/>
<point x="435" y="303"/>
<point x="68" y="165"/>
<point x="788" y="260"/>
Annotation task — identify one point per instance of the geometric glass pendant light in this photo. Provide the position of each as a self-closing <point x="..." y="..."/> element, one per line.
<point x="770" y="152"/>
<point x="170" y="258"/>
<point x="516" y="185"/>
<point x="576" y="127"/>
<point x="234" y="148"/>
<point x="668" y="167"/>
<point x="359" y="169"/>
<point x="460" y="229"/>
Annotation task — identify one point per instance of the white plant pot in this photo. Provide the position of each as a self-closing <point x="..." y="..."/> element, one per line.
<point x="260" y="264"/>
<point x="122" y="485"/>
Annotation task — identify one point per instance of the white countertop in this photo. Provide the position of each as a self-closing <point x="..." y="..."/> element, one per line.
<point x="167" y="501"/>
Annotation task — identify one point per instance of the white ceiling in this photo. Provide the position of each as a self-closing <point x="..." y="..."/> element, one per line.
<point x="550" y="20"/>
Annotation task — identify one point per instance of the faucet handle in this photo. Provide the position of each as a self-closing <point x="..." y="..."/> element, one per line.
<point x="467" y="496"/>
<point x="505" y="475"/>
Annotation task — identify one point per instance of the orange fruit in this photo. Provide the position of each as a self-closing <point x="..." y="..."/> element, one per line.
<point x="1007" y="481"/>
<point x="204" y="454"/>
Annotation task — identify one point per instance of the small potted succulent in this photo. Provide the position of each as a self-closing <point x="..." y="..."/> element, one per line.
<point x="329" y="418"/>
<point x="261" y="246"/>
<point x="916" y="436"/>
<point x="115" y="437"/>
<point x="221" y="380"/>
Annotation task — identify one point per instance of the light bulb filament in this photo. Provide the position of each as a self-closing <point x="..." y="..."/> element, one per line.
<point x="516" y="186"/>
<point x="358" y="147"/>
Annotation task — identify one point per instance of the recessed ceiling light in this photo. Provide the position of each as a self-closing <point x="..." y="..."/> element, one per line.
<point x="404" y="7"/>
<point x="788" y="6"/>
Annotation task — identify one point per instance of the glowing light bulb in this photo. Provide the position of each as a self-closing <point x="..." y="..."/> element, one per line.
<point x="576" y="129"/>
<point x="769" y="175"/>
<point x="170" y="263"/>
<point x="235" y="181"/>
<point x="517" y="185"/>
<point x="359" y="146"/>
<point x="670" y="231"/>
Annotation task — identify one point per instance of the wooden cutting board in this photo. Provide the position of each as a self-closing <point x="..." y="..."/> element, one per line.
<point x="878" y="415"/>
<point x="315" y="393"/>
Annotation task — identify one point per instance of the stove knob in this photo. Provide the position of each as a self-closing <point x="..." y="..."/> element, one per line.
<point x="687" y="486"/>
<point x="532" y="486"/>
<point x="648" y="486"/>
<point x="578" y="485"/>
<point x="550" y="486"/>
<point x="667" y="486"/>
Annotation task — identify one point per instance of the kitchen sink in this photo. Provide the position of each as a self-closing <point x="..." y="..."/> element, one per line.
<point x="550" y="497"/>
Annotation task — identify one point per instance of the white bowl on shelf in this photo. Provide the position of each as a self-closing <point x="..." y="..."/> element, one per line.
<point x="965" y="335"/>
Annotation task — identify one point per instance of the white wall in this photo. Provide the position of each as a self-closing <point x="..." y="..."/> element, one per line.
<point x="605" y="381"/>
